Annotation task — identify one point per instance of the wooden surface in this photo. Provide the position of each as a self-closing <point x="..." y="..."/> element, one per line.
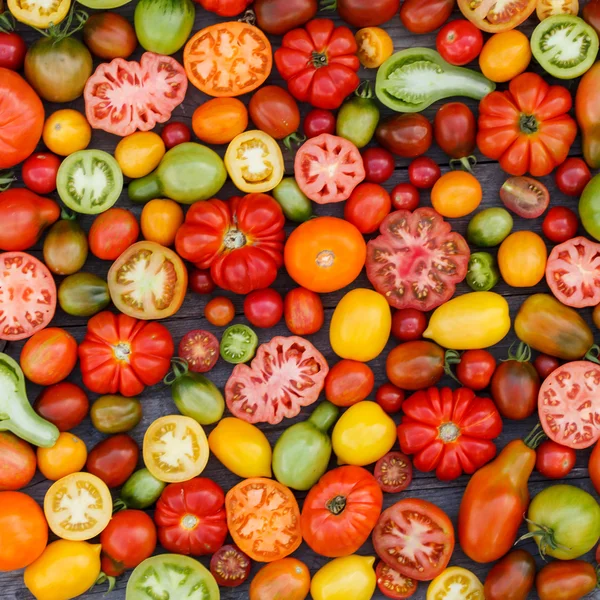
<point x="157" y="400"/>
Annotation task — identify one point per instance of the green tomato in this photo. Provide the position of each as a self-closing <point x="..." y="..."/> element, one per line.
<point x="301" y="455"/>
<point x="483" y="273"/>
<point x="564" y="520"/>
<point x="358" y="117"/>
<point x="83" y="294"/>
<point x="294" y="203"/>
<point x="589" y="207"/>
<point x="115" y="414"/>
<point x="238" y="344"/>
<point x="140" y="491"/>
<point x="489" y="227"/>
<point x="103" y="4"/>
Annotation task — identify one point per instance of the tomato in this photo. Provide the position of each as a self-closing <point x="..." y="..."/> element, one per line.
<point x="324" y="254"/>
<point x="525" y="196"/>
<point x="63" y="404"/>
<point x="112" y="232"/>
<point x="113" y="460"/>
<point x="415" y="365"/>
<point x="23" y="531"/>
<point x="445" y="585"/>
<point x="405" y="196"/>
<point x="408" y="324"/>
<point x="230" y="566"/>
<point x="454" y="129"/>
<point x="414" y="537"/>
<point x="566" y="580"/>
<point x="65" y="248"/>
<point x="378" y="163"/>
<point x="219" y="311"/>
<point x="68" y="455"/>
<point x="274" y="111"/>
<point x="522" y="259"/>
<point x="364" y="14"/>
<point x="389" y="397"/>
<point x="38" y="14"/>
<point x="200" y="281"/>
<point x="318" y="121"/>
<point x="505" y="55"/>
<point x="572" y="176"/>
<point x="220" y="120"/>
<point x="594" y="467"/>
<point x="115" y="414"/>
<point x="393" y="584"/>
<point x="393" y="472"/>
<point x="367" y="206"/>
<point x="18" y="462"/>
<point x="12" y="45"/>
<point x="406" y="135"/>
<point x="456" y="194"/>
<point x="475" y="369"/>
<point x="224" y="8"/>
<point x="286" y="578"/>
<point x="39" y="172"/>
<point x="238" y="344"/>
<point x="459" y="42"/>
<point x="495" y="18"/>
<point x="411" y="244"/>
<point x="139" y="153"/>
<point x="560" y="224"/>
<point x="200" y="349"/>
<point x="553" y="460"/>
<point x="512" y="578"/>
<point x="263" y="308"/>
<point x="303" y="311"/>
<point x="141" y="490"/>
<point x="348" y="382"/>
<point x="548" y="8"/>
<point x="175" y="133"/>
<point x="375" y="45"/>
<point x="66" y="131"/>
<point x="277" y="17"/>
<point x="545" y="364"/>
<point x="418" y="17"/>
<point x="160" y="221"/>
<point x="109" y="35"/>
<point x="591" y="14"/>
<point x="423" y="172"/>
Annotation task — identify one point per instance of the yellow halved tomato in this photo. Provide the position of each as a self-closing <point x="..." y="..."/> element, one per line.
<point x="505" y="55"/>
<point x="219" y="120"/>
<point x="344" y="578"/>
<point x="175" y="448"/>
<point x="456" y="194"/>
<point x="522" y="259"/>
<point x="39" y="13"/>
<point x="78" y="507"/>
<point x="139" y="153"/>
<point x="454" y="583"/>
<point x="160" y="221"/>
<point x="375" y="46"/>
<point x="148" y="281"/>
<point x="67" y="456"/>
<point x="254" y="162"/>
<point x="66" y="131"/>
<point x="549" y="8"/>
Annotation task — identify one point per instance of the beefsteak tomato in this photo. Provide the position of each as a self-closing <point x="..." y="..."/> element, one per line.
<point x="497" y="16"/>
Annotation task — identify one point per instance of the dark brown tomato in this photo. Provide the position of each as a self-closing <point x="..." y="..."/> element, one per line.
<point x="415" y="365"/>
<point x="274" y="111"/>
<point x="424" y="17"/>
<point x="515" y="386"/>
<point x="348" y="382"/>
<point x="64" y="404"/>
<point x="108" y="35"/>
<point x="280" y="16"/>
<point x="407" y="135"/>
<point x="115" y="414"/>
<point x="113" y="460"/>
<point x="565" y="580"/>
<point x="393" y="472"/>
<point x="591" y="14"/>
<point x="200" y="349"/>
<point x="367" y="13"/>
<point x="511" y="578"/>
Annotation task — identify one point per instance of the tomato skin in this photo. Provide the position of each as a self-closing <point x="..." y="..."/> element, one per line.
<point x="560" y="224"/>
<point x="12" y="50"/>
<point x="201" y="282"/>
<point x="109" y="35"/>
<point x="553" y="460"/>
<point x="423" y="172"/>
<point x="419" y="17"/>
<point x="565" y="580"/>
<point x="318" y="121"/>
<point x="591" y="14"/>
<point x="415" y="365"/>
<point x="263" y="308"/>
<point x="512" y="578"/>
<point x="544" y="365"/>
<point x="515" y="386"/>
<point x="112" y="232"/>
<point x="175" y="133"/>
<point x="364" y="14"/>
<point x="219" y="311"/>
<point x="67" y="456"/>
<point x="274" y="110"/>
<point x="459" y="42"/>
<point x="405" y="196"/>
<point x="286" y="578"/>
<point x="348" y="382"/>
<point x="454" y="128"/>
<point x="505" y="55"/>
<point x="379" y="164"/>
<point x="65" y="247"/>
<point x="475" y="369"/>
<point x="63" y="404"/>
<point x="367" y="206"/>
<point x="389" y="397"/>
<point x="303" y="311"/>
<point x="114" y="459"/>
<point x="160" y="221"/>
<point x="18" y="462"/>
<point x="39" y="172"/>
<point x="407" y="135"/>
<point x="408" y="324"/>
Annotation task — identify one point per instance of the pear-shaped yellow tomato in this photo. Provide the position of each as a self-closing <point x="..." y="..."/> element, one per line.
<point x="360" y="325"/>
<point x="363" y="434"/>
<point x="242" y="447"/>
<point x="522" y="259"/>
<point x="344" y="578"/>
<point x="471" y="321"/>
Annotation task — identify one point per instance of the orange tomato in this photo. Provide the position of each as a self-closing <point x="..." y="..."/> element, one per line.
<point x="505" y="55"/>
<point x="160" y="221"/>
<point x="219" y="120"/>
<point x="594" y="467"/>
<point x="375" y="46"/>
<point x="219" y="311"/>
<point x="325" y="254"/>
<point x="67" y="456"/>
<point x="522" y="259"/>
<point x="456" y="194"/>
<point x="284" y="579"/>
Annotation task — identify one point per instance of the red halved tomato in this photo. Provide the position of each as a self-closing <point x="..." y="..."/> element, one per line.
<point x="393" y="472"/>
<point x="393" y="584"/>
<point x="494" y="16"/>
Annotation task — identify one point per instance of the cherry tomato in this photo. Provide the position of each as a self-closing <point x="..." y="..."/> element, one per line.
<point x="545" y="364"/>
<point x="393" y="472"/>
<point x="348" y="382"/>
<point x="201" y="282"/>
<point x="230" y="566"/>
<point x="405" y="196"/>
<point x="175" y="133"/>
<point x="64" y="404"/>
<point x="303" y="311"/>
<point x="319" y="121"/>
<point x="554" y="460"/>
<point x="113" y="459"/>
<point x="560" y="224"/>
<point x="408" y="324"/>
<point x="12" y="50"/>
<point x="368" y="205"/>
<point x="572" y="176"/>
<point x="200" y="349"/>
<point x="263" y="308"/>
<point x="392" y="584"/>
<point x="459" y="42"/>
<point x="39" y="172"/>
<point x="475" y="369"/>
<point x="112" y="232"/>
<point x="389" y="397"/>
<point x="219" y="311"/>
<point x="379" y="164"/>
<point x="423" y="172"/>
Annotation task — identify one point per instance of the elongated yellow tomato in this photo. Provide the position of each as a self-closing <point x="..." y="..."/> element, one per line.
<point x="455" y="583"/>
<point x="349" y="577"/>
<point x="505" y="55"/>
<point x="522" y="259"/>
<point x="242" y="447"/>
<point x="360" y="326"/>
<point x="363" y="434"/>
<point x="471" y="321"/>
<point x="65" y="570"/>
<point x="139" y="153"/>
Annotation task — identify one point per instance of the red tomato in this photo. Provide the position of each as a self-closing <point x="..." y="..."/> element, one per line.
<point x="230" y="566"/>
<point x="340" y="511"/>
<point x="319" y="121"/>
<point x="459" y="42"/>
<point x="348" y="382"/>
<point x="63" y="404"/>
<point x="109" y="35"/>
<point x="594" y="468"/>
<point x="367" y="14"/>
<point x="12" y="50"/>
<point x="389" y="397"/>
<point x="423" y="172"/>
<point x="113" y="459"/>
<point x="572" y="176"/>
<point x="39" y="172"/>
<point x="200" y="349"/>
<point x="405" y="196"/>
<point x="175" y="133"/>
<point x="511" y="578"/>
<point x="225" y="8"/>
<point x="408" y="324"/>
<point x="201" y="282"/>
<point x="393" y="584"/>
<point x="566" y="580"/>
<point x="525" y="196"/>
<point x="560" y="224"/>
<point x="112" y="232"/>
<point x="475" y="369"/>
<point x="219" y="311"/>
<point x="424" y="17"/>
<point x="455" y="129"/>
<point x="414" y="537"/>
<point x="129" y="538"/>
<point x="406" y="135"/>
<point x="553" y="460"/>
<point x="591" y="14"/>
<point x="303" y="311"/>
<point x="573" y="272"/>
<point x="263" y="308"/>
<point x="274" y="111"/>
<point x="544" y="364"/>
<point x="379" y="164"/>
<point x="367" y="206"/>
<point x="393" y="472"/>
<point x="17" y="462"/>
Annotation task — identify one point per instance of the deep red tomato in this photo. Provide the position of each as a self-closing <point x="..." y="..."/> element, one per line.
<point x="572" y="176"/>
<point x="113" y="459"/>
<point x="263" y="308"/>
<point x="459" y="42"/>
<point x="475" y="369"/>
<point x="560" y="224"/>
<point x="405" y="196"/>
<point x="406" y="135"/>
<point x="277" y="18"/>
<point x="379" y="164"/>
<point x="525" y="196"/>
<point x="455" y="129"/>
<point x="191" y="517"/>
<point x="112" y="232"/>
<point x="39" y="172"/>
<point x="219" y="311"/>
<point x="393" y="472"/>
<point x="200" y="349"/>
<point x="591" y="14"/>
<point x="175" y="133"/>
<point x="230" y="566"/>
<point x="544" y="364"/>
<point x="17" y="460"/>
<point x="511" y="578"/>
<point x="348" y="382"/>
<point x="274" y="111"/>
<point x="367" y="14"/>
<point x="393" y="584"/>
<point x="424" y="17"/>
<point x="566" y="580"/>
<point x="423" y="172"/>
<point x="340" y="511"/>
<point x="12" y="50"/>
<point x="553" y="460"/>
<point x="109" y="35"/>
<point x="389" y="397"/>
<point x="64" y="404"/>
<point x="129" y="538"/>
<point x="303" y="311"/>
<point x="408" y="324"/>
<point x="201" y="282"/>
<point x="319" y="121"/>
<point x="368" y="205"/>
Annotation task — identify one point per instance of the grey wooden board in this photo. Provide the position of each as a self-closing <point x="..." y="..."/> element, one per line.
<point x="157" y="400"/>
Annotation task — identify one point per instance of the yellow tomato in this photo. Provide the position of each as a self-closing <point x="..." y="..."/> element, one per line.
<point x="242" y="447"/>
<point x="360" y="325"/>
<point x="505" y="55"/>
<point x="138" y="154"/>
<point x="375" y="46"/>
<point x="455" y="583"/>
<point x="549" y="8"/>
<point x="67" y="456"/>
<point x="363" y="434"/>
<point x="65" y="570"/>
<point x="349" y="577"/>
<point x="471" y="321"/>
<point x="66" y="131"/>
<point x="456" y="194"/>
<point x="39" y="13"/>
<point x="522" y="259"/>
<point x="160" y="221"/>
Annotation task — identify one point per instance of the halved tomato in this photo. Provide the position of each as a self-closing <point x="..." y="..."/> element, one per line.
<point x="148" y="281"/>
<point x="328" y="168"/>
<point x="39" y="13"/>
<point x="455" y="580"/>
<point x="393" y="584"/>
<point x="175" y="448"/>
<point x="228" y="59"/>
<point x="497" y="15"/>
<point x="27" y="296"/>
<point x="525" y="196"/>
<point x="78" y="507"/>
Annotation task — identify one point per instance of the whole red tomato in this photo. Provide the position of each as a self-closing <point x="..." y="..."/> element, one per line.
<point x="544" y="365"/>
<point x="554" y="460"/>
<point x="475" y="369"/>
<point x="113" y="459"/>
<point x="389" y="397"/>
<point x="408" y="324"/>
<point x="367" y="13"/>
<point x="225" y="8"/>
<point x="263" y="308"/>
<point x="560" y="224"/>
<point x="423" y="172"/>
<point x="591" y="14"/>
<point x="112" y="232"/>
<point x="511" y="578"/>
<point x="17" y="462"/>
<point x="129" y="538"/>
<point x="368" y="205"/>
<point x="39" y="172"/>
<point x="319" y="121"/>
<point x="63" y="404"/>
<point x="303" y="311"/>
<point x="405" y="196"/>
<point x="175" y="133"/>
<point x="191" y="517"/>
<point x="459" y="42"/>
<point x="274" y="111"/>
<point x="379" y="164"/>
<point x="572" y="176"/>
<point x="348" y="382"/>
<point x="280" y="16"/>
<point x="12" y="46"/>
<point x="201" y="282"/>
<point x="424" y="17"/>
<point x="566" y="580"/>
<point x="594" y="467"/>
<point x="407" y="135"/>
<point x="455" y="129"/>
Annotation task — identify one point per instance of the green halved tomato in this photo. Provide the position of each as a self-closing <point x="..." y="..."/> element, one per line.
<point x="238" y="344"/>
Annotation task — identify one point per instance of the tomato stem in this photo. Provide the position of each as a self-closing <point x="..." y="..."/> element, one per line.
<point x="119" y="505"/>
<point x="593" y="354"/>
<point x="336" y="505"/>
<point x="364" y="90"/>
<point x="535" y="437"/>
<point x="7" y="22"/>
<point x="466" y="163"/>
<point x="6" y="178"/>
<point x="234" y="239"/>
<point x="67" y="215"/>
<point x="523" y="353"/>
<point x="63" y="30"/>
<point x="293" y="138"/>
<point x="451" y="357"/>
<point x="328" y="5"/>
<point x="547" y="539"/>
<point x="179" y="368"/>
<point x="102" y="577"/>
<point x="248" y="17"/>
<point x="448" y="432"/>
<point x="318" y="60"/>
<point x="528" y="124"/>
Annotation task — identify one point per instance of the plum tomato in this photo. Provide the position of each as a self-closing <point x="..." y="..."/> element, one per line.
<point x="230" y="566"/>
<point x="319" y="121"/>
<point x="303" y="311"/>
<point x="63" y="404"/>
<point x="109" y="35"/>
<point x="175" y="133"/>
<point x="424" y="17"/>
<point x="112" y="232"/>
<point x="348" y="382"/>
<point x="379" y="164"/>
<point x="408" y="324"/>
<point x="475" y="369"/>
<point x="200" y="349"/>
<point x="554" y="460"/>
<point x="405" y="196"/>
<point x="39" y="172"/>
<point x="219" y="311"/>
<point x="572" y="176"/>
<point x="263" y="308"/>
<point x="423" y="172"/>
<point x="544" y="364"/>
<point x="525" y="196"/>
<point x="368" y="205"/>
<point x="560" y="224"/>
<point x="393" y="472"/>
<point x="113" y="459"/>
<point x="406" y="135"/>
<point x="201" y="282"/>
<point x="459" y="42"/>
<point x="389" y="397"/>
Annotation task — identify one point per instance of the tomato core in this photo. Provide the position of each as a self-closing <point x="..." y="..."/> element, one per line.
<point x="189" y="522"/>
<point x="528" y="124"/>
<point x="336" y="505"/>
<point x="325" y="258"/>
<point x="319" y="59"/>
<point x="234" y="239"/>
<point x="448" y="432"/>
<point x="122" y="351"/>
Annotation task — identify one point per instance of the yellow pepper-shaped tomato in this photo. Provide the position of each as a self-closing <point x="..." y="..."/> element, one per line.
<point x="522" y="259"/>
<point x="65" y="570"/>
<point x="349" y="577"/>
<point x="242" y="447"/>
<point x="360" y="326"/>
<point x="471" y="321"/>
<point x="363" y="434"/>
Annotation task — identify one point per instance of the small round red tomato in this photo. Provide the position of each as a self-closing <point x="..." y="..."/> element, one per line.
<point x="545" y="364"/>
<point x="368" y="205"/>
<point x="175" y="133"/>
<point x="200" y="349"/>
<point x="112" y="232"/>
<point x="201" y="282"/>
<point x="393" y="472"/>
<point x="423" y="172"/>
<point x="560" y="224"/>
<point x="393" y="584"/>
<point x="572" y="176"/>
<point x="405" y="196"/>
<point x="263" y="308"/>
<point x="303" y="311"/>
<point x="230" y="566"/>
<point x="459" y="42"/>
<point x="348" y="382"/>
<point x="408" y="324"/>
<point x="114" y="459"/>
<point x="379" y="164"/>
<point x="17" y="462"/>
<point x="525" y="196"/>
<point x="319" y="121"/>
<point x="389" y="397"/>
<point x="12" y="50"/>
<point x="219" y="311"/>
<point x="554" y="460"/>
<point x="475" y="369"/>
<point x="63" y="404"/>
<point x="39" y="172"/>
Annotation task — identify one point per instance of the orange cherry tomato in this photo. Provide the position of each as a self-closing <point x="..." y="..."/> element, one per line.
<point x="286" y="578"/>
<point x="456" y="194"/>
<point x="522" y="259"/>
<point x="160" y="221"/>
<point x="67" y="456"/>
<point x="219" y="120"/>
<point x="219" y="311"/>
